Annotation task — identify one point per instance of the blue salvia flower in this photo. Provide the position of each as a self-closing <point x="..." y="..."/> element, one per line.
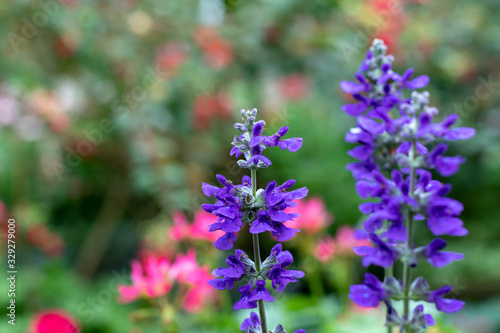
<point x="397" y="144"/>
<point x="263" y="210"/>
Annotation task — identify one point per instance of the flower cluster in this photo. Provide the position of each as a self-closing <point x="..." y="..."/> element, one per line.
<point x="398" y="143"/>
<point x="237" y="204"/>
<point x="156" y="277"/>
<point x="262" y="210"/>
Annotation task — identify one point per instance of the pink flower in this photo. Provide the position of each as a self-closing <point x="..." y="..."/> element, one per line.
<point x="345" y="240"/>
<point x="195" y="279"/>
<point x="149" y="280"/>
<point x="157" y="275"/>
<point x="198" y="230"/>
<point x="53" y="321"/>
<point x="180" y="229"/>
<point x="313" y="216"/>
<point x="324" y="251"/>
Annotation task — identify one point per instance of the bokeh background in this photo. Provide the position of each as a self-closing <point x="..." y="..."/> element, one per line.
<point x="112" y="114"/>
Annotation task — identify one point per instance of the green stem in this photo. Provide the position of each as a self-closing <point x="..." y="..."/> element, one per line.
<point x="388" y="273"/>
<point x="256" y="254"/>
<point x="409" y="226"/>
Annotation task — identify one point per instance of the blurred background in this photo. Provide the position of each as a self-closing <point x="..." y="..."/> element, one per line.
<point x="112" y="114"/>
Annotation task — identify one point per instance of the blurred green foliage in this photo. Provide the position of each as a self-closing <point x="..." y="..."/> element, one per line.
<point x="112" y="113"/>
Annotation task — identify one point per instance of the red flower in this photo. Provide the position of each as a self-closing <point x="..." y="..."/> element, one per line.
<point x="218" y="52"/>
<point x="294" y="87"/>
<point x="207" y="107"/>
<point x="53" y="321"/>
<point x="170" y="56"/>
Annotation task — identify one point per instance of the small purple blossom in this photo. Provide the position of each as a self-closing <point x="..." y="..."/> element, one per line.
<point x="251" y="324"/>
<point x="447" y="305"/>
<point x="438" y="258"/>
<point x="238" y="265"/>
<point x="278" y="274"/>
<point x="261" y="292"/>
<point x="368" y="294"/>
<point x="381" y="255"/>
<point x="245" y="302"/>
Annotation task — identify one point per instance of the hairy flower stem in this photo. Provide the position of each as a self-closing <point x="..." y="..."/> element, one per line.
<point x="256" y="254"/>
<point x="389" y="273"/>
<point x="409" y="227"/>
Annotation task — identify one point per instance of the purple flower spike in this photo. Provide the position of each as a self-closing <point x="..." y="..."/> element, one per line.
<point x="262" y="210"/>
<point x="398" y="141"/>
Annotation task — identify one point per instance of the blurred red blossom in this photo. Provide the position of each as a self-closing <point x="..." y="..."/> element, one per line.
<point x="294" y="87"/>
<point x="313" y="216"/>
<point x="170" y="56"/>
<point x="391" y="21"/>
<point x="53" y="321"/>
<point x="49" y="242"/>
<point x="207" y="107"/>
<point x="156" y="276"/>
<point x="217" y="51"/>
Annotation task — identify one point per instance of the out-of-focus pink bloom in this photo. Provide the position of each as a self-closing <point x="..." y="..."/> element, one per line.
<point x="53" y="321"/>
<point x="149" y="280"/>
<point x="345" y="240"/>
<point x="313" y="216"/>
<point x="186" y="271"/>
<point x="325" y="249"/>
<point x="218" y="53"/>
<point x="169" y="57"/>
<point x="294" y="87"/>
<point x="198" y="230"/>
<point x="180" y="229"/>
<point x="157" y="275"/>
<point x="207" y="107"/>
